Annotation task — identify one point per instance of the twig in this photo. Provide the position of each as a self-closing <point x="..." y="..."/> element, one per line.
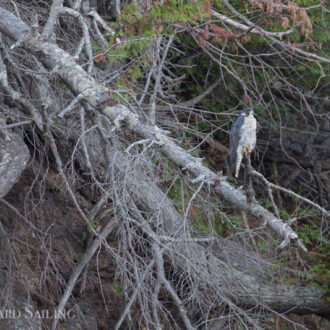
<point x="102" y="42"/>
<point x="84" y="27"/>
<point x="134" y="295"/>
<point x="192" y="102"/>
<point x="92" y="216"/>
<point x="20" y="215"/>
<point x="79" y="268"/>
<point x="246" y="223"/>
<point x="57" y="5"/>
<point x="72" y="105"/>
<point x="248" y="187"/>
<point x="79" y="49"/>
<point x="243" y="27"/>
<point x="213" y="143"/>
<point x="100" y="20"/>
<point x="17" y="96"/>
<point x="44" y="89"/>
<point x="18" y="124"/>
<point x="117" y="7"/>
<point x="48" y="135"/>
<point x="161" y="274"/>
<point x="271" y="35"/>
<point x="290" y="192"/>
<point x="77" y="4"/>
<point x="158" y="73"/>
<point x="320" y="5"/>
<point x="143" y="142"/>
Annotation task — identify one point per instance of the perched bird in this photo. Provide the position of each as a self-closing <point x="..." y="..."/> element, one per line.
<point x="242" y="138"/>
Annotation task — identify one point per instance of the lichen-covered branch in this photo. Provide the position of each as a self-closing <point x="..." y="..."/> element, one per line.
<point x="14" y="156"/>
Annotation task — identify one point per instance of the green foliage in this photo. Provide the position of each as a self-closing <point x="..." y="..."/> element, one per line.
<point x="178" y="12"/>
<point x="119" y="288"/>
<point x="175" y="193"/>
<point x="268" y="205"/>
<point x="262" y="246"/>
<point x="318" y="274"/>
<point x="122" y="84"/>
<point x="128" y="49"/>
<point x="160" y="18"/>
<point x="235" y="221"/>
<point x="93" y="225"/>
<point x="273" y="270"/>
<point x="135" y="72"/>
<point x="311" y="234"/>
<point x="201" y="226"/>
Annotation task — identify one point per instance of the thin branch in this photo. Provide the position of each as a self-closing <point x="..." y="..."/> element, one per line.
<point x="192" y="102"/>
<point x="17" y="96"/>
<point x="161" y="274"/>
<point x="247" y="226"/>
<point x="57" y="5"/>
<point x="156" y="70"/>
<point x="72" y="105"/>
<point x="271" y="35"/>
<point x="134" y="294"/>
<point x="18" y="124"/>
<point x="79" y="49"/>
<point x="80" y="267"/>
<point x="101" y="21"/>
<point x="246" y="28"/>
<point x="290" y="192"/>
<point x="320" y="5"/>
<point x="99" y="36"/>
<point x="84" y="27"/>
<point x="48" y="135"/>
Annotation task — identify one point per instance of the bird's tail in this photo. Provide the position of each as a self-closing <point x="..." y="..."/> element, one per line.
<point x="232" y="162"/>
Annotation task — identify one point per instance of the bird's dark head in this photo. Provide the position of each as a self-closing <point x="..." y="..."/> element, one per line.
<point x="248" y="111"/>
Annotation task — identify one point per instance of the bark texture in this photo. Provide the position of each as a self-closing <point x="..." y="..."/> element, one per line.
<point x="14" y="156"/>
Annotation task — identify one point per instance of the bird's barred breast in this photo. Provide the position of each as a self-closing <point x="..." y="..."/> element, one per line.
<point x="248" y="132"/>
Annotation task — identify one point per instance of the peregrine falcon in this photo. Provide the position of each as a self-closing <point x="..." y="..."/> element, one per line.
<point x="242" y="138"/>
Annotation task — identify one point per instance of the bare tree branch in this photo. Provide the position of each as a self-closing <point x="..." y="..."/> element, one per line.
<point x="14" y="156"/>
<point x="290" y="192"/>
<point x="56" y="7"/>
<point x="251" y="28"/>
<point x="80" y="267"/>
<point x="16" y="96"/>
<point x="271" y="35"/>
<point x="84" y="27"/>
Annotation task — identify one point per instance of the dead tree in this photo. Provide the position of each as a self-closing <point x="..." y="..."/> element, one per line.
<point x="205" y="273"/>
